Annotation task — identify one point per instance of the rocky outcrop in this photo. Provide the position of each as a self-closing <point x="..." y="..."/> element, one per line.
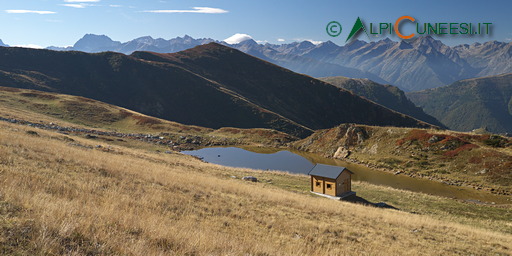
<point x="336" y="142"/>
<point x="341" y="153"/>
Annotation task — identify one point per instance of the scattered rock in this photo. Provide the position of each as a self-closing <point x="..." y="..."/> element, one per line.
<point x="250" y="178"/>
<point x="483" y="171"/>
<point x="434" y="139"/>
<point x="373" y="149"/>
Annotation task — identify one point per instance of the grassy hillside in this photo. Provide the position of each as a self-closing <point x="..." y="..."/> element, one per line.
<point x="471" y="104"/>
<point x="163" y="91"/>
<point x="386" y="95"/>
<point x="59" y="198"/>
<point x="300" y="98"/>
<point x="211" y="86"/>
<point x="73" y="111"/>
<point x="460" y="159"/>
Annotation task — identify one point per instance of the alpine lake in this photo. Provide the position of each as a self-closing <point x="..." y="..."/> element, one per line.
<point x="302" y="162"/>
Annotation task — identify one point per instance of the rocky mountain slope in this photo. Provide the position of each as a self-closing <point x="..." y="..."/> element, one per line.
<point x="412" y="65"/>
<point x="291" y="58"/>
<point x="490" y="58"/>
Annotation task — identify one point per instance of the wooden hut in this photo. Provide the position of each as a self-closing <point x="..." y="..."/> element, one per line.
<point x="331" y="180"/>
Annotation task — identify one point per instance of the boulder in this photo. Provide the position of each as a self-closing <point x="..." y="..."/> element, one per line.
<point x="341" y="153"/>
<point x="250" y="178"/>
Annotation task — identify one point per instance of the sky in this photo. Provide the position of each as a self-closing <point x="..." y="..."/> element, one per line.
<point x="62" y="22"/>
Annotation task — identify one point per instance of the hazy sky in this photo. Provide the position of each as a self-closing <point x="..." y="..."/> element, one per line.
<point x="63" y="22"/>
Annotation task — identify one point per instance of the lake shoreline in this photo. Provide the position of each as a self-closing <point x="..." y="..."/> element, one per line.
<point x="406" y="181"/>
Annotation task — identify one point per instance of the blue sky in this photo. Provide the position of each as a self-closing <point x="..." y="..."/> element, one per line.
<point x="63" y="22"/>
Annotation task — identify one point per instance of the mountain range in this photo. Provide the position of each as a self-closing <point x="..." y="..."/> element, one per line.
<point x="471" y="104"/>
<point x="414" y="65"/>
<point x="317" y="60"/>
<point x="100" y="43"/>
<point x="209" y="85"/>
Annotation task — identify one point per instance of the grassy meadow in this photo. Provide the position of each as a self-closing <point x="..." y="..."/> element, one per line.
<point x="62" y="198"/>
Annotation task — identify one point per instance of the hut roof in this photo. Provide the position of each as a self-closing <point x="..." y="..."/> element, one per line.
<point x="327" y="171"/>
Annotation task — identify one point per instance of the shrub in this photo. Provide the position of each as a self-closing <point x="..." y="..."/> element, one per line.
<point x="455" y="152"/>
<point x="496" y="141"/>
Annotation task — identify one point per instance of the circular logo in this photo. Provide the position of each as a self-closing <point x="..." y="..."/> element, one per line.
<point x="333" y="28"/>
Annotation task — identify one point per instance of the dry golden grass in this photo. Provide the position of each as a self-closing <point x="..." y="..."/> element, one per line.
<point x="60" y="199"/>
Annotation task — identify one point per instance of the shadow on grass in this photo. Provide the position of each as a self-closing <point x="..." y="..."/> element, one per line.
<point x="360" y="200"/>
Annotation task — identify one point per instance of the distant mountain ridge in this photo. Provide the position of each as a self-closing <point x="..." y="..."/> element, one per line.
<point x="413" y="65"/>
<point x="490" y="58"/>
<point x="471" y="104"/>
<point x="100" y="43"/>
<point x="209" y="85"/>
